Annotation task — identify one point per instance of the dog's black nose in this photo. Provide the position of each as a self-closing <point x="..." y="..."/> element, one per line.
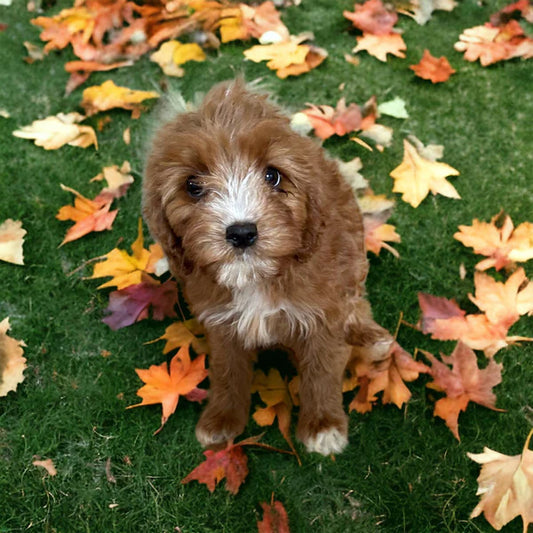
<point x="241" y="235"/>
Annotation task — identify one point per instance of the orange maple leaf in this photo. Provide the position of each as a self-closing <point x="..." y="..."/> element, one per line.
<point x="417" y="176"/>
<point x="463" y="383"/>
<point x="437" y="70"/>
<point x="89" y="215"/>
<point x="373" y="17"/>
<point x="275" y="518"/>
<point x="389" y="379"/>
<point x="12" y="362"/>
<point x="164" y="383"/>
<point x="499" y="241"/>
<point x="505" y="484"/>
<point x="127" y="269"/>
<point x="179" y="334"/>
<point x="327" y="121"/>
<point x="378" y="235"/>
<point x="381" y="45"/>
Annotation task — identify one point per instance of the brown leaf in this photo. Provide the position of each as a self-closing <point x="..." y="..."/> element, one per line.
<point x="47" y="464"/>
<point x="275" y="518"/>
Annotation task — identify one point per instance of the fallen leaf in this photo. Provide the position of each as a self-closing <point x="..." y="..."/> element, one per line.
<point x="273" y="391"/>
<point x="373" y="17"/>
<point x="499" y="241"/>
<point x="462" y="384"/>
<point x="47" y="464"/>
<point x="378" y="235"/>
<point x="275" y="518"/>
<point x="165" y="384"/>
<point x="350" y="172"/>
<point x="127" y="269"/>
<point x="505" y="484"/>
<point x="394" y="108"/>
<point x="132" y="304"/>
<point x="12" y="363"/>
<point x="230" y="463"/>
<point x="118" y="181"/>
<point x="421" y="10"/>
<point x="173" y="54"/>
<point x="381" y="45"/>
<point x="108" y="96"/>
<point x="11" y="241"/>
<point x="328" y="121"/>
<point x="189" y="332"/>
<point x="416" y="176"/>
<point x="55" y="131"/>
<point x="437" y="70"/>
<point x="89" y="215"/>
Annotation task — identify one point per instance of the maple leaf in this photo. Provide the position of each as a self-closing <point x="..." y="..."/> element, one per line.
<point x="11" y="241"/>
<point x="389" y="378"/>
<point x="165" y="384"/>
<point x="498" y="240"/>
<point x="275" y="518"/>
<point x="274" y="392"/>
<point x="12" y="363"/>
<point x="463" y="383"/>
<point x="287" y="58"/>
<point x="373" y="17"/>
<point x="491" y="44"/>
<point x="128" y="269"/>
<point x="437" y="70"/>
<point x="264" y="23"/>
<point x="327" y="121"/>
<point x="130" y="305"/>
<point x="503" y="303"/>
<point x="416" y="176"/>
<point x="118" y="181"/>
<point x="521" y="8"/>
<point x="108" y="96"/>
<point x="81" y="70"/>
<point x="89" y="215"/>
<point x="381" y="45"/>
<point x="505" y="484"/>
<point x="172" y="54"/>
<point x="47" y="464"/>
<point x="55" y="131"/>
<point x="180" y="334"/>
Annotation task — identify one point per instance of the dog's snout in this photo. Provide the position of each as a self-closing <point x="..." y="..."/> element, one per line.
<point x="241" y="235"/>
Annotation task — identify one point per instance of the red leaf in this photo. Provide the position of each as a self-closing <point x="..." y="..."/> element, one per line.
<point x="432" y="68"/>
<point x="436" y="308"/>
<point x="275" y="518"/>
<point x="373" y="17"/>
<point x="131" y="304"/>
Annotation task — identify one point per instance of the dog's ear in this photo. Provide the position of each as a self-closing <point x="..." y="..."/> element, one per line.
<point x="314" y="226"/>
<point x="154" y="215"/>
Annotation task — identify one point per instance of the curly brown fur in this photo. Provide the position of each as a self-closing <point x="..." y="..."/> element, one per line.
<point x="297" y="279"/>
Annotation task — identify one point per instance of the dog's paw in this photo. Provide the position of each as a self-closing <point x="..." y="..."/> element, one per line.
<point x="326" y="442"/>
<point x="215" y="430"/>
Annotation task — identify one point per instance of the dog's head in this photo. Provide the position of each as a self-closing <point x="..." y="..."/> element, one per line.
<point x="232" y="190"/>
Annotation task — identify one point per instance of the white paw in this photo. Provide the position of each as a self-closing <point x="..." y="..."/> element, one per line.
<point x="207" y="438"/>
<point x="327" y="442"/>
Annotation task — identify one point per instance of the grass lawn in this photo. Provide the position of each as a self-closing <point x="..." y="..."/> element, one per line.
<point x="403" y="469"/>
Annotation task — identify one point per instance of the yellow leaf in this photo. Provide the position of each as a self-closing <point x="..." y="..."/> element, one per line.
<point x="181" y="334"/>
<point x="416" y="176"/>
<point x="55" y="131"/>
<point x="11" y="240"/>
<point x="108" y="96"/>
<point x="12" y="363"/>
<point x="172" y="54"/>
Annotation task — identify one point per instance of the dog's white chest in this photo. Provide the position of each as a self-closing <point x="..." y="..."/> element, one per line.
<point x="259" y="321"/>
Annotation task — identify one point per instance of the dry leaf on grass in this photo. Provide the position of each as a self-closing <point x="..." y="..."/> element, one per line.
<point x="180" y="334"/>
<point x="118" y="181"/>
<point x="465" y="382"/>
<point x="421" y="10"/>
<point x="172" y="54"/>
<point x="88" y="215"/>
<point x="437" y="70"/>
<point x="381" y="45"/>
<point x="373" y="17"/>
<point x="275" y="518"/>
<point x="499" y="241"/>
<point x="55" y="131"/>
<point x="11" y="241"/>
<point x="127" y="269"/>
<point x="109" y="96"/>
<point x="12" y="362"/>
<point x="165" y="384"/>
<point x="47" y="464"/>
<point x="505" y="485"/>
<point x="417" y="176"/>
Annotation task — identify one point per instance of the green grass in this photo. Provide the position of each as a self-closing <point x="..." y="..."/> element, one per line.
<point x="403" y="470"/>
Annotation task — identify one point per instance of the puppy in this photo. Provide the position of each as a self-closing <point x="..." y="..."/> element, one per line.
<point x="268" y="242"/>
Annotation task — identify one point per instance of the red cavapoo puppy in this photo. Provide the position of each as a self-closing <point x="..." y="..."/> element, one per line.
<point x="267" y="239"/>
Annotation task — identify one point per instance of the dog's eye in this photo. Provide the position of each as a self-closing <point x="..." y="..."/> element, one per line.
<point x="273" y="177"/>
<point x="194" y="189"/>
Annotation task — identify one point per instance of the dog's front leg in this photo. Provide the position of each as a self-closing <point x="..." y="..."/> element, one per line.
<point x="230" y="377"/>
<point x="322" y="424"/>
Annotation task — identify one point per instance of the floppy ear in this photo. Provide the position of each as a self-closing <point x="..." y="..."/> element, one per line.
<point x="154" y="215"/>
<point x="314" y="226"/>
